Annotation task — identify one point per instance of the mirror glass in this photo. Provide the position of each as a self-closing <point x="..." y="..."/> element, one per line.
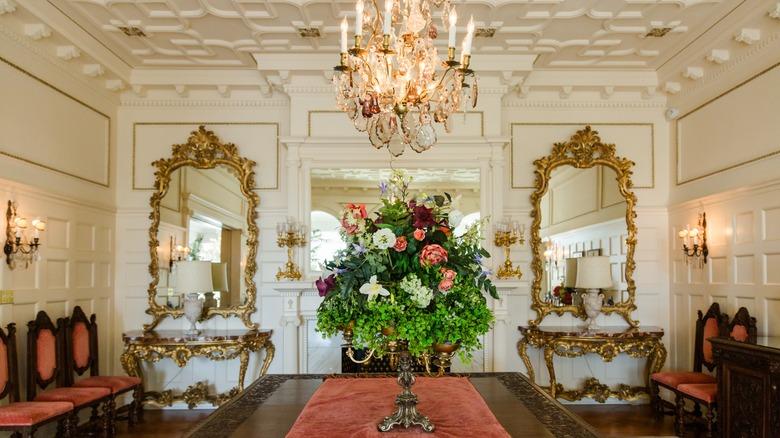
<point x="332" y="189"/>
<point x="583" y="214"/>
<point x="203" y="217"/>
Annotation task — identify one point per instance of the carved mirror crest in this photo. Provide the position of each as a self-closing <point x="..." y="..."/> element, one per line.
<point x="582" y="206"/>
<point x="204" y="209"/>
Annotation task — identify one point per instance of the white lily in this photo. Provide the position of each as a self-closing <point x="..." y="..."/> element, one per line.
<point x="372" y="288"/>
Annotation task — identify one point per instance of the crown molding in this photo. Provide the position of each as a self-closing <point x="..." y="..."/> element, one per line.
<point x="207" y="103"/>
<point x="583" y="104"/>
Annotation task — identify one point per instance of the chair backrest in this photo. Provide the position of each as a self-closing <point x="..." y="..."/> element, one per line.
<point x="81" y="345"/>
<point x="709" y="325"/>
<point x="9" y="374"/>
<point x="44" y="353"/>
<point x="743" y="327"/>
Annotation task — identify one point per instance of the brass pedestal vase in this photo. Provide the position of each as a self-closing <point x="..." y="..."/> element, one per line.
<point x="406" y="413"/>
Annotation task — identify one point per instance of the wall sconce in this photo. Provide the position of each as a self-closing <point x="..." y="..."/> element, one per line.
<point x="18" y="245"/>
<point x="290" y="234"/>
<point x="694" y="242"/>
<point x="507" y="234"/>
<point x="178" y="253"/>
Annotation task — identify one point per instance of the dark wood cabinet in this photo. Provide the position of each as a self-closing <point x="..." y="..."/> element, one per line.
<point x="748" y="387"/>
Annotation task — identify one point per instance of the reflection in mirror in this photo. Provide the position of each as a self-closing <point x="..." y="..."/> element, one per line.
<point x="203" y="218"/>
<point x="583" y="214"/>
<point x="332" y="189"/>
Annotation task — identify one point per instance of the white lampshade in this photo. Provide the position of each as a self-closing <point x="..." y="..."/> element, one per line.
<point x="219" y="277"/>
<point x="593" y="273"/>
<point x="193" y="276"/>
<point x="571" y="273"/>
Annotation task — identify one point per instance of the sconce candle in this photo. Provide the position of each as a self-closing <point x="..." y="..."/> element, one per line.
<point x="694" y="242"/>
<point x="290" y="234"/>
<point x="508" y="233"/>
<point x="18" y="247"/>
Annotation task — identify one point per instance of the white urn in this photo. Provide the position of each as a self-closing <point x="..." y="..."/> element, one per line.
<point x="193" y="309"/>
<point x="592" y="300"/>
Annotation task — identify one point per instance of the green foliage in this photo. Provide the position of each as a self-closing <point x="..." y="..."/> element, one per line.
<point x="458" y="311"/>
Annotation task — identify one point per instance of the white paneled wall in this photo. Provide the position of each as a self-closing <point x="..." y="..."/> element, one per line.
<point x="743" y="236"/>
<point x="76" y="266"/>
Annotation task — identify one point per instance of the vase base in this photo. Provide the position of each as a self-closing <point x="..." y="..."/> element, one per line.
<point x="406" y="416"/>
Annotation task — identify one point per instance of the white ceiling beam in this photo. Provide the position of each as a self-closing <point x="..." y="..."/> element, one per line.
<point x="314" y="61"/>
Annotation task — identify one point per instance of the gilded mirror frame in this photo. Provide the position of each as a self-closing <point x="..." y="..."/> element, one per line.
<point x="204" y="150"/>
<point x="583" y="150"/>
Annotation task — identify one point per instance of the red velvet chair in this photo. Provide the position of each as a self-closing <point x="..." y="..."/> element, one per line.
<point x="24" y="418"/>
<point x="708" y="325"/>
<point x="46" y="365"/>
<point x="742" y="328"/>
<point x="81" y="340"/>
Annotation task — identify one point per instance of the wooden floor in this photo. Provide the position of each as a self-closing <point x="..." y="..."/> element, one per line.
<point x="611" y="421"/>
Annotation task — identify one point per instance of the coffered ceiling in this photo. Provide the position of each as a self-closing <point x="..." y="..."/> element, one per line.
<point x="603" y="34"/>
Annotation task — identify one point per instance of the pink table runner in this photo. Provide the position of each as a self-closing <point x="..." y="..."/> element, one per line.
<point x="353" y="407"/>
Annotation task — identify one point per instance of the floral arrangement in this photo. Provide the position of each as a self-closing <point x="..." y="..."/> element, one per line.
<point x="404" y="273"/>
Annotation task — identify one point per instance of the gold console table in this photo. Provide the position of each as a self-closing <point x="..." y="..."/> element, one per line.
<point x="214" y="345"/>
<point x="607" y="342"/>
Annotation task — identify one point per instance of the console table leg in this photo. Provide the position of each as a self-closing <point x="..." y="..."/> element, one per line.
<point x="270" y="350"/>
<point x="522" y="348"/>
<point x="244" y="361"/>
<point x="549" y="351"/>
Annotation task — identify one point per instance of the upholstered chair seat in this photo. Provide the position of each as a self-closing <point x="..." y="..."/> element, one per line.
<point x="117" y="384"/>
<point x="706" y="392"/>
<point x="31" y="413"/>
<point x="676" y="378"/>
<point x="76" y="396"/>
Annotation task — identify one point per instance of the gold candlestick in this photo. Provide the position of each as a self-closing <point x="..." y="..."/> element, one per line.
<point x="506" y="236"/>
<point x="289" y="235"/>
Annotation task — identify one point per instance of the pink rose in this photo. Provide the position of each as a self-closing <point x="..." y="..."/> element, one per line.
<point x="433" y="255"/>
<point x="419" y="234"/>
<point x="353" y="219"/>
<point x="445" y="285"/>
<point x="400" y="243"/>
<point x="448" y="274"/>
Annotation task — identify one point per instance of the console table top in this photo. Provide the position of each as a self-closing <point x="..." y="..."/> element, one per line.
<point x="180" y="336"/>
<point x="603" y="332"/>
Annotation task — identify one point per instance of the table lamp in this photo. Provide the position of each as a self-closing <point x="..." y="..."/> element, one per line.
<point x="593" y="274"/>
<point x="219" y="280"/>
<point x="192" y="278"/>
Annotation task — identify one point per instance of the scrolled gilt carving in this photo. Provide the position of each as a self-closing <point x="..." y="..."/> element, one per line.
<point x="583" y="150"/>
<point x="204" y="150"/>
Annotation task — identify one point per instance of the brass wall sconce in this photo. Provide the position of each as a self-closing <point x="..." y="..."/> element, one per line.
<point x="289" y="235"/>
<point x="508" y="233"/>
<point x="177" y="252"/>
<point x="19" y="247"/>
<point x="694" y="242"/>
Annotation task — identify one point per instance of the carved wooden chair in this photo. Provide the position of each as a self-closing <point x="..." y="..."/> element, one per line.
<point x="46" y="365"/>
<point x="81" y="341"/>
<point x="24" y="418"/>
<point x="743" y="329"/>
<point x="708" y="325"/>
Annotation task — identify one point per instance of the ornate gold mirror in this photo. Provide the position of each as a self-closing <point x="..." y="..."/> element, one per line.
<point x="583" y="206"/>
<point x="203" y="210"/>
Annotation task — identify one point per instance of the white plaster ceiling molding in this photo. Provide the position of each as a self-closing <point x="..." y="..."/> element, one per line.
<point x="614" y="34"/>
<point x="693" y="73"/>
<point x="7" y="7"/>
<point x="37" y="31"/>
<point x="68" y="52"/>
<point x="775" y="12"/>
<point x="718" y="56"/>
<point x="748" y="36"/>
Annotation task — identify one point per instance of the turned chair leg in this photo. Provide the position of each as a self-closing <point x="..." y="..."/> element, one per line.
<point x="138" y="399"/>
<point x="710" y="420"/>
<point x="679" y="415"/>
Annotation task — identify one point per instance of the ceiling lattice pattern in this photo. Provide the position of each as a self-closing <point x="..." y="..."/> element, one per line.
<point x="563" y="33"/>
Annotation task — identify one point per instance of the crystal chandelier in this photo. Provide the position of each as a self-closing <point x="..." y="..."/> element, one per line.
<point x="396" y="82"/>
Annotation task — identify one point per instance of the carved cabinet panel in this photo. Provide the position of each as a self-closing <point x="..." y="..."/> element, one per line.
<point x="748" y="383"/>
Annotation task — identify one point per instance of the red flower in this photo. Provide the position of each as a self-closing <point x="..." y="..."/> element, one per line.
<point x="446" y="230"/>
<point x="423" y="216"/>
<point x="445" y="285"/>
<point x="325" y="285"/>
<point x="433" y="255"/>
<point x="419" y="234"/>
<point x="449" y="274"/>
<point x="400" y="243"/>
<point x="358" y="208"/>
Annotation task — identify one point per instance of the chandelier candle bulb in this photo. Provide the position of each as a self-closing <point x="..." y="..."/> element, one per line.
<point x="469" y="38"/>
<point x="358" y="21"/>
<point x="452" y="32"/>
<point x="388" y="17"/>
<point x="344" y="28"/>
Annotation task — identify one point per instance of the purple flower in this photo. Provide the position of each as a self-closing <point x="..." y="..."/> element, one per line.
<point x="360" y="249"/>
<point x="383" y="187"/>
<point x="326" y="285"/>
